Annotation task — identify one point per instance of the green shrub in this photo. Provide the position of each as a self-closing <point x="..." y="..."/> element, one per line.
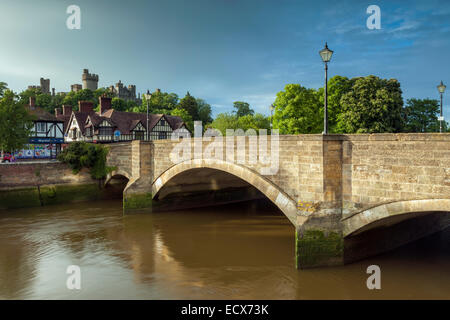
<point x="79" y="155"/>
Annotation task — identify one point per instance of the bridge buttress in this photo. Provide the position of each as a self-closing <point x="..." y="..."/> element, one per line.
<point x="319" y="238"/>
<point x="137" y="193"/>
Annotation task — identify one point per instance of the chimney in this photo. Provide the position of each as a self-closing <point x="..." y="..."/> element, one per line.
<point x="57" y="112"/>
<point x="32" y="103"/>
<point x="105" y="103"/>
<point x="85" y="106"/>
<point x="67" y="110"/>
<point x="53" y="91"/>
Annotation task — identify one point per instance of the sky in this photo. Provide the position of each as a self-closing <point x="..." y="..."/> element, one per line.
<point x="225" y="50"/>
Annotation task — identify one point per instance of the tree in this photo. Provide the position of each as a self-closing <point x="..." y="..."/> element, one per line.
<point x="119" y="104"/>
<point x="183" y="114"/>
<point x="242" y="109"/>
<point x="44" y="100"/>
<point x="159" y="101"/>
<point x="298" y="110"/>
<point x="3" y="87"/>
<point x="204" y="111"/>
<point x="189" y="104"/>
<point x="15" y="123"/>
<point x="224" y="121"/>
<point x="337" y="87"/>
<point x="103" y="91"/>
<point x="372" y="105"/>
<point x="421" y="115"/>
<point x="72" y="97"/>
<point x="256" y="122"/>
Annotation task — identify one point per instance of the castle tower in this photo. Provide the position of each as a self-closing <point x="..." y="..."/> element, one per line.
<point x="132" y="92"/>
<point x="90" y="81"/>
<point x="45" y="85"/>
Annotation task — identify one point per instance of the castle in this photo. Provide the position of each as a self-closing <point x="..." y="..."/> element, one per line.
<point x="90" y="81"/>
<point x="125" y="93"/>
<point x="44" y="86"/>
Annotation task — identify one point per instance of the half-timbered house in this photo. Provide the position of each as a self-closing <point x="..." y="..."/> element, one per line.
<point x="47" y="135"/>
<point x="109" y="125"/>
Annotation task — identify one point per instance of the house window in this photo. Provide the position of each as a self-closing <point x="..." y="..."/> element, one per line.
<point x="74" y="133"/>
<point x="162" y="135"/>
<point x="139" y="135"/>
<point x="106" y="131"/>
<point x="163" y="123"/>
<point x="41" y="127"/>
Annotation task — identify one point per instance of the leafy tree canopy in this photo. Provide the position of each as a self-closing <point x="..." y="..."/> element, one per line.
<point x="372" y="105"/>
<point x="421" y="115"/>
<point x="242" y="109"/>
<point x="189" y="103"/>
<point x="3" y="87"/>
<point x="15" y="123"/>
<point x="298" y="110"/>
<point x="226" y="121"/>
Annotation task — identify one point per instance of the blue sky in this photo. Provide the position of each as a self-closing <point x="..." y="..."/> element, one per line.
<point x="225" y="50"/>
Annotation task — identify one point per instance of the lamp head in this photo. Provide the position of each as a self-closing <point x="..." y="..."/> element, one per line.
<point x="147" y="95"/>
<point x="441" y="87"/>
<point x="326" y="53"/>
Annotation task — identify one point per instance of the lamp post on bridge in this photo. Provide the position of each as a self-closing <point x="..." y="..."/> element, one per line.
<point x="326" y="54"/>
<point x="147" y="96"/>
<point x="441" y="88"/>
<point x="272" y="107"/>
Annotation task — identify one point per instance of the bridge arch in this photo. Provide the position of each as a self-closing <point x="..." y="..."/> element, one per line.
<point x="116" y="173"/>
<point x="266" y="187"/>
<point x="361" y="220"/>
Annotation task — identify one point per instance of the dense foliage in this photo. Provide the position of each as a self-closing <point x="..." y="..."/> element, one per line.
<point x="79" y="155"/>
<point x="421" y="115"/>
<point x="298" y="110"/>
<point x="15" y="122"/>
<point x="359" y="105"/>
<point x="242" y="118"/>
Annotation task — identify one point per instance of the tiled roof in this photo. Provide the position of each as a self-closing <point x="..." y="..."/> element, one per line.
<point x="41" y="114"/>
<point x="125" y="122"/>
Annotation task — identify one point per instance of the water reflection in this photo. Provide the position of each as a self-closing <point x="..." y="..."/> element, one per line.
<point x="230" y="252"/>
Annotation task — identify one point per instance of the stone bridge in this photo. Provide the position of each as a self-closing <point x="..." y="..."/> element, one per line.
<point x="347" y="196"/>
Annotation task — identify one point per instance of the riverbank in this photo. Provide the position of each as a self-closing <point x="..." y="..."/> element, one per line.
<point x="35" y="184"/>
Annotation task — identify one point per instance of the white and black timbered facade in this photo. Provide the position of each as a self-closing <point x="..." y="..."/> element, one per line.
<point x="46" y="137"/>
<point x="109" y="125"/>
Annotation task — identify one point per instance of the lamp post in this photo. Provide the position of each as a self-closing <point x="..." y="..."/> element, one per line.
<point x="326" y="54"/>
<point x="272" y="107"/>
<point x="147" y="96"/>
<point x="441" y="89"/>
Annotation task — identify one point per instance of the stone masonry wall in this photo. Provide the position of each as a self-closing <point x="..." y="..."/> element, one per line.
<point x="26" y="174"/>
<point x="384" y="168"/>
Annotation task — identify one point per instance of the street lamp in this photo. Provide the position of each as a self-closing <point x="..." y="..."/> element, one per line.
<point x="441" y="89"/>
<point x="326" y="54"/>
<point x="272" y="107"/>
<point x="147" y="97"/>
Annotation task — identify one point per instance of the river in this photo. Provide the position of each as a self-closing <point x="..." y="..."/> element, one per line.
<point x="240" y="251"/>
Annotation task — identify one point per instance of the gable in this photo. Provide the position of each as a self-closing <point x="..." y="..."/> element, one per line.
<point x="105" y="123"/>
<point x="162" y="125"/>
<point x="139" y="127"/>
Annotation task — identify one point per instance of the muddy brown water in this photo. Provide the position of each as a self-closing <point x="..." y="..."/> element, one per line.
<point x="240" y="251"/>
